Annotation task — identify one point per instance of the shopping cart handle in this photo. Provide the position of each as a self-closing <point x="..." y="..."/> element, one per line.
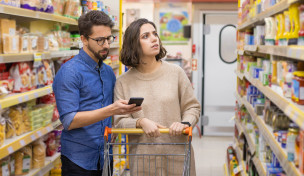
<point x="187" y="131"/>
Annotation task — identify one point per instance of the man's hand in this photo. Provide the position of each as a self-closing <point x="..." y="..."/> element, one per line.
<point x="176" y="129"/>
<point x="121" y="107"/>
<point x="150" y="127"/>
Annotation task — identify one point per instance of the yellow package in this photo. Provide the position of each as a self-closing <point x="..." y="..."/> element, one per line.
<point x="26" y="119"/>
<point x="38" y="154"/>
<point x="23" y="160"/>
<point x="15" y="115"/>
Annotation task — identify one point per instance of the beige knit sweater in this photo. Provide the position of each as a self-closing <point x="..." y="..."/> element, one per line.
<point x="168" y="97"/>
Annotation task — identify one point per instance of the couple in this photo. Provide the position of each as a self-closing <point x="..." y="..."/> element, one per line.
<point x="85" y="88"/>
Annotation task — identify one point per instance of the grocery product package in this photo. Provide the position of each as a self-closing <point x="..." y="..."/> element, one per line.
<point x="38" y="154"/>
<point x="50" y="71"/>
<point x="50" y="141"/>
<point x="39" y="70"/>
<point x="23" y="160"/>
<point x="45" y="6"/>
<point x="29" y="4"/>
<point x="15" y="114"/>
<point x="22" y="74"/>
<point x="9" y="125"/>
<point x="72" y="9"/>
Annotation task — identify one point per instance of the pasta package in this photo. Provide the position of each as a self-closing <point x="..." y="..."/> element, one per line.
<point x="38" y="154"/>
<point x="23" y="160"/>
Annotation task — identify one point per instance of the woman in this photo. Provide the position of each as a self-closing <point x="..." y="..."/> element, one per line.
<point x="168" y="101"/>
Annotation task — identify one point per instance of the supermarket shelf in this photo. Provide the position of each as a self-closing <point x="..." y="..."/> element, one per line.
<point x="47" y="166"/>
<point x="12" y="145"/>
<point x="292" y="110"/>
<point x="23" y="57"/>
<point x="295" y="52"/>
<point x="279" y="7"/>
<point x="15" y="99"/>
<point x="289" y="167"/>
<point x="114" y="45"/>
<point x="67" y="53"/>
<point x="239" y="126"/>
<point x="9" y="10"/>
<point x="248" y="138"/>
<point x="239" y="74"/>
<point x="240" y="159"/>
<point x="261" y="168"/>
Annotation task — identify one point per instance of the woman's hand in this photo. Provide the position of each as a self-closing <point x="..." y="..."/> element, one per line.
<point x="150" y="127"/>
<point x="176" y="129"/>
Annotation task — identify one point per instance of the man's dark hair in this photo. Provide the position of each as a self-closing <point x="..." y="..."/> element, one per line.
<point x="93" y="18"/>
<point x="131" y="48"/>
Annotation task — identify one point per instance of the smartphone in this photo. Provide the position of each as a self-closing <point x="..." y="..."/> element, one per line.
<point x="136" y="100"/>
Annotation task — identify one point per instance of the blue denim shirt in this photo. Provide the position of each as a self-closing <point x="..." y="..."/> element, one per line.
<point x="81" y="85"/>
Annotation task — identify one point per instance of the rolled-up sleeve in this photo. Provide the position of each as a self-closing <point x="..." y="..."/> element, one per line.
<point x="66" y="89"/>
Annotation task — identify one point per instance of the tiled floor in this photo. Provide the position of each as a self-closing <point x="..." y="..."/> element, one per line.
<point x="210" y="154"/>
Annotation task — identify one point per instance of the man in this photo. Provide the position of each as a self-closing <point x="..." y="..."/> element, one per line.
<point x="83" y="89"/>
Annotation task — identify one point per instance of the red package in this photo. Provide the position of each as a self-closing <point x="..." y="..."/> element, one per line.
<point x="22" y="74"/>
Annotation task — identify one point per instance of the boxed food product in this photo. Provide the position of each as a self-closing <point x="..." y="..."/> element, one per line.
<point x="21" y="73"/>
<point x="24" y="43"/>
<point x="10" y="43"/>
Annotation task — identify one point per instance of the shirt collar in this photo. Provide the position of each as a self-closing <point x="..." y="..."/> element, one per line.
<point x="89" y="61"/>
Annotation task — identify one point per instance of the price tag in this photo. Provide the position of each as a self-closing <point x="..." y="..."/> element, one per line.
<point x="37" y="57"/>
<point x="39" y="133"/>
<point x="33" y="137"/>
<point x="289" y="53"/>
<point x="20" y="100"/>
<point x="296" y="115"/>
<point x="48" y="129"/>
<point x="10" y="150"/>
<point x="26" y="97"/>
<point x="1" y="59"/>
<point x="298" y="54"/>
<point x="49" y="91"/>
<point x="36" y="95"/>
<point x="22" y="143"/>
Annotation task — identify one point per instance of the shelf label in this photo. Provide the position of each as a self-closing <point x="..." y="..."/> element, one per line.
<point x="26" y="97"/>
<point x="48" y="129"/>
<point x="298" y="53"/>
<point x="10" y="150"/>
<point x="36" y="94"/>
<point x="37" y="57"/>
<point x="289" y="52"/>
<point x="33" y="137"/>
<point x="20" y="100"/>
<point x="49" y="91"/>
<point x="22" y="143"/>
<point x="39" y="133"/>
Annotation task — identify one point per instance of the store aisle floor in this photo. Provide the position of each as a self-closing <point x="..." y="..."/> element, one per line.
<point x="210" y="154"/>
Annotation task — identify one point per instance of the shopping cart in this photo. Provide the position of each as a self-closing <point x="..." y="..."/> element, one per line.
<point x="148" y="164"/>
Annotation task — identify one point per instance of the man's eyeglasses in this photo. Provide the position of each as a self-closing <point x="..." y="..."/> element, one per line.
<point x="101" y="40"/>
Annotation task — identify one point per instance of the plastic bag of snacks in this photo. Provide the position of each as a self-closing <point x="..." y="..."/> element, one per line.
<point x="41" y="74"/>
<point x="50" y="141"/>
<point x="50" y="71"/>
<point x="53" y="43"/>
<point x="2" y="130"/>
<point x="38" y="154"/>
<point x="15" y="114"/>
<point x="26" y="119"/>
<point x="21" y="73"/>
<point x="58" y="6"/>
<point x="45" y="6"/>
<point x="9" y="128"/>
<point x="72" y="9"/>
<point x="23" y="160"/>
<point x="29" y="4"/>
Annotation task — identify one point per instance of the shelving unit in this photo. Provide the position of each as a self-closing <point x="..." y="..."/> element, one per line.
<point x="47" y="166"/>
<point x="14" y="144"/>
<point x="226" y="170"/>
<point x="24" y="13"/>
<point x="239" y="156"/>
<point x="266" y="131"/>
<point x="15" y="99"/>
<point x="259" y="19"/>
<point x="294" y="52"/>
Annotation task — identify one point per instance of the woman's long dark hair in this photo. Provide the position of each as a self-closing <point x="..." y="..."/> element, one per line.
<point x="131" y="48"/>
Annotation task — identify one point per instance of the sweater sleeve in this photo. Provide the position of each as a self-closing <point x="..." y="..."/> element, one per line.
<point x="122" y="121"/>
<point x="190" y="107"/>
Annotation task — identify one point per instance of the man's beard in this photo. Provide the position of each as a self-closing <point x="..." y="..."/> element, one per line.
<point x="97" y="55"/>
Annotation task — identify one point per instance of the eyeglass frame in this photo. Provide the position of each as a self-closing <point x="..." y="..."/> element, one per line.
<point x="103" y="39"/>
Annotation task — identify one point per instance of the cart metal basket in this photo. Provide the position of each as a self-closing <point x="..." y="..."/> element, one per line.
<point x="149" y="164"/>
